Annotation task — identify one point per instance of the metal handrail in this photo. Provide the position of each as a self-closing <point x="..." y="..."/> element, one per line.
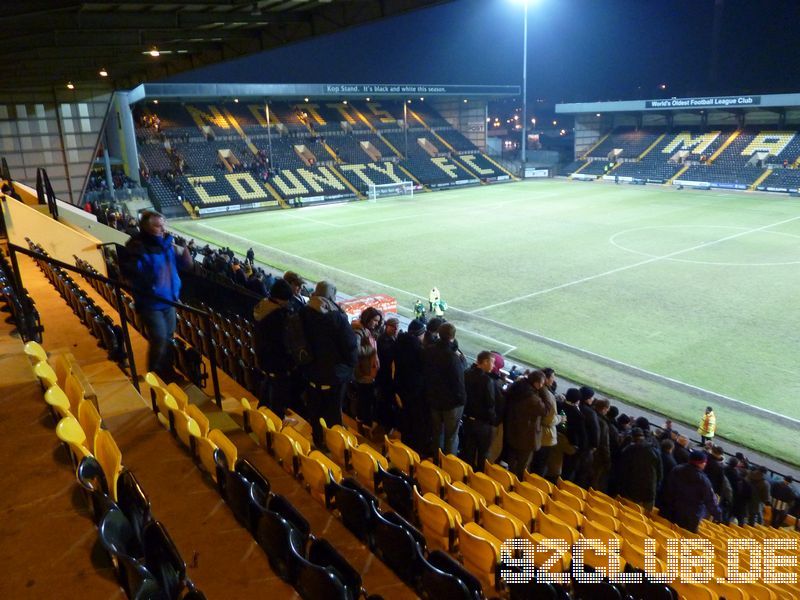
<point x="118" y="288"/>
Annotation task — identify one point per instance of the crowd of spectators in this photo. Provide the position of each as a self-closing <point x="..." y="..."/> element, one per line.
<point x="97" y="181"/>
<point x="418" y="384"/>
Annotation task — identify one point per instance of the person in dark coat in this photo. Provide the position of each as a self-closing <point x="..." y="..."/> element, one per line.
<point x="666" y="447"/>
<point x="386" y="408"/>
<point x="640" y="471"/>
<point x="734" y="471"/>
<point x="583" y="474"/>
<point x="716" y="475"/>
<point x="602" y="458"/>
<point x="575" y="432"/>
<point x="334" y="352"/>
<point x="688" y="495"/>
<point x="443" y="369"/>
<point x="409" y="385"/>
<point x="296" y="282"/>
<point x="783" y="498"/>
<point x="759" y="495"/>
<point x="271" y="353"/>
<point x="681" y="452"/>
<point x="479" y="411"/>
<point x="524" y="410"/>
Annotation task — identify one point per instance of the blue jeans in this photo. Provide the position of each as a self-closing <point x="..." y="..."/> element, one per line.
<point x="160" y="327"/>
<point x="445" y="428"/>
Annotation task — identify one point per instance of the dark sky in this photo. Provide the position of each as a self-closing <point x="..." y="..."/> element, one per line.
<point x="578" y="50"/>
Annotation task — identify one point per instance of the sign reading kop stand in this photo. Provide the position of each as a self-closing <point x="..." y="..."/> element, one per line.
<point x="367" y="89"/>
<point x="708" y="102"/>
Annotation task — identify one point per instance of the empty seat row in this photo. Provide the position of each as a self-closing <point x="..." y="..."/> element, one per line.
<point x="19" y="304"/>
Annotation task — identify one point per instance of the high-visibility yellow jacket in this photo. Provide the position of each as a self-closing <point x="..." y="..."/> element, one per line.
<point x="708" y="425"/>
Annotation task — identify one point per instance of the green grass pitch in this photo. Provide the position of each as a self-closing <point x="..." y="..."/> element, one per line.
<point x="696" y="286"/>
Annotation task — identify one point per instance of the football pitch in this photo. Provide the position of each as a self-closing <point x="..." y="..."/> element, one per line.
<point x="671" y="300"/>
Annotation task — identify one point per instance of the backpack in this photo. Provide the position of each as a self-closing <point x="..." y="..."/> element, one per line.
<point x="295" y="341"/>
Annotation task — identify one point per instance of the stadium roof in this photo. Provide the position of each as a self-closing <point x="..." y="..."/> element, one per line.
<point x="201" y="91"/>
<point x="51" y="42"/>
<point x="744" y="101"/>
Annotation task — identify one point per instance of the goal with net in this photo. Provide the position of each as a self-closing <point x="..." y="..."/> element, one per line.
<point x="375" y="191"/>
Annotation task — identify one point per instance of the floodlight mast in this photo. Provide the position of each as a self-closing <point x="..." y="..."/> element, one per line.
<point x="524" y="86"/>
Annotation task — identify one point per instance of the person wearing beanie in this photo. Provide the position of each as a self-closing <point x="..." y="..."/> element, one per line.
<point x="271" y="353"/>
<point x="575" y="432"/>
<point x="521" y="430"/>
<point x="443" y="371"/>
<point x="688" y="495"/>
<point x="409" y="385"/>
<point x="639" y="471"/>
<point x="333" y="348"/>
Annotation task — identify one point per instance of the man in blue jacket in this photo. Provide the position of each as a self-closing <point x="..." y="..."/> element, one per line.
<point x="150" y="263"/>
<point x="689" y="495"/>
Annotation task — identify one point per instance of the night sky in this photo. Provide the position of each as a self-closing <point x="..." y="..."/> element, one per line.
<point x="579" y="50"/>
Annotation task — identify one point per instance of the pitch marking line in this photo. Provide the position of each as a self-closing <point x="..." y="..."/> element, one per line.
<point x="633" y="266"/>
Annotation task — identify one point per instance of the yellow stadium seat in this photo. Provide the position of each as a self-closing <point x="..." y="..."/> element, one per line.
<point x="438" y="520"/>
<point x="89" y="419"/>
<point x="58" y="402"/>
<point x="572" y="488"/>
<point x="262" y="427"/>
<point x="455" y="467"/>
<point x="480" y="551"/>
<point x="74" y="391"/>
<point x="365" y="461"/>
<point x="634" y="519"/>
<point x="339" y="442"/>
<point x="520" y="507"/>
<point x="286" y="452"/>
<point x="570" y="516"/>
<point x="165" y="403"/>
<point x="465" y="500"/>
<point x="504" y="477"/>
<point x="228" y="447"/>
<point x="532" y="494"/>
<point x="186" y="428"/>
<point x="199" y="417"/>
<point x="401" y="456"/>
<point x="46" y="375"/>
<point x="317" y="471"/>
<point x="486" y="487"/>
<point x="205" y="449"/>
<point x="431" y="478"/>
<point x="728" y="591"/>
<point x="601" y="504"/>
<point x="62" y="368"/>
<point x="625" y="502"/>
<point x="540" y="557"/>
<point x="502" y="524"/>
<point x="539" y="482"/>
<point x="759" y="591"/>
<point x="35" y="352"/>
<point x="302" y="442"/>
<point x="591" y="513"/>
<point x="108" y="455"/>
<point x="550" y="526"/>
<point x="180" y="396"/>
<point x="633" y="535"/>
<point x="593" y="530"/>
<point x="569" y="499"/>
<point x="71" y="433"/>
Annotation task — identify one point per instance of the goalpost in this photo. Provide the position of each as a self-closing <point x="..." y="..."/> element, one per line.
<point x="375" y="191"/>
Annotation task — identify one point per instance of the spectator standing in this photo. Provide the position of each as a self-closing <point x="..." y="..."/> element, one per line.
<point x="150" y="262"/>
<point x="387" y="408"/>
<point x="602" y="457"/>
<point x="734" y="471"/>
<point x="273" y="358"/>
<point x="583" y="475"/>
<point x="708" y="425"/>
<point x="575" y="434"/>
<point x="496" y="447"/>
<point x="409" y="383"/>
<point x="688" y="495"/>
<point x="366" y="330"/>
<point x="251" y="257"/>
<point x="716" y="475"/>
<point x="639" y="471"/>
<point x="681" y="452"/>
<point x="479" y="411"/>
<point x="548" y="434"/>
<point x="334" y="351"/>
<point x="783" y="498"/>
<point x="524" y="410"/>
<point x="759" y="495"/>
<point x="296" y="282"/>
<point x="444" y="387"/>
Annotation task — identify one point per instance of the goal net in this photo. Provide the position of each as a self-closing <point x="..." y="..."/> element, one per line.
<point x="404" y="188"/>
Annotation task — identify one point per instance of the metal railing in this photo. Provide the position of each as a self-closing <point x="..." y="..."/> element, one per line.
<point x="119" y="287"/>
